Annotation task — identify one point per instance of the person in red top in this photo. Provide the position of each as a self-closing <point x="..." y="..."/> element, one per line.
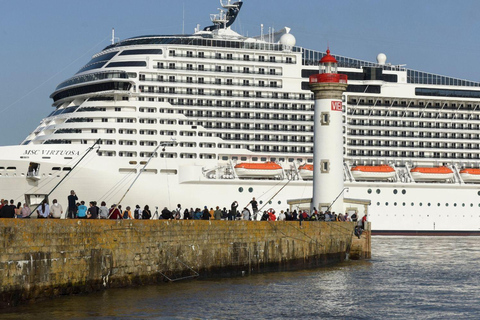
<point x="114" y="213"/>
<point x="364" y="221"/>
<point x="271" y="215"/>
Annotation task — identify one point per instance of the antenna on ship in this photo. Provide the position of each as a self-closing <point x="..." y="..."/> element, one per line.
<point x="225" y="19"/>
<point x="113" y="36"/>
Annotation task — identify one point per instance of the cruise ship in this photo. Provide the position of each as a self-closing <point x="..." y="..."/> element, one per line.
<point x="213" y="117"/>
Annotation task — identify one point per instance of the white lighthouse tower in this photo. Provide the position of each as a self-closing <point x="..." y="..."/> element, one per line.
<point x="328" y="87"/>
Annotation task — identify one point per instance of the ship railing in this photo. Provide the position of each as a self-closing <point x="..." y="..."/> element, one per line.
<point x="238" y="84"/>
<point x="277" y="60"/>
<point x="239" y="71"/>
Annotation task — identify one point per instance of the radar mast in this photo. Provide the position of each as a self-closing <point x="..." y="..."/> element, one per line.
<point x="226" y="16"/>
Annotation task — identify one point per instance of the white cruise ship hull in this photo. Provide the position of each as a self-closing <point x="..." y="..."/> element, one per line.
<point x="395" y="208"/>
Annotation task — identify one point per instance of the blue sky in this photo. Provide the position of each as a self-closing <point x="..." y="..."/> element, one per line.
<point x="45" y="42"/>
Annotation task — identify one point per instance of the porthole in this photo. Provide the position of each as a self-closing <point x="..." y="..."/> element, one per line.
<point x="395" y="204"/>
<point x="404" y="191"/>
<point x="455" y="204"/>
<point x="446" y="204"/>
<point x="429" y="204"/>
<point x="378" y="203"/>
<point x="420" y="204"/>
<point x="269" y="202"/>
<point x="413" y="204"/>
<point x="250" y="189"/>
<point x="240" y="189"/>
<point x="378" y="191"/>
<point x="369" y="191"/>
<point x="438" y="204"/>
<point x="395" y="191"/>
<point x="386" y="203"/>
<point x="403" y="204"/>
<point x="471" y="205"/>
<point x="261" y="202"/>
<point x="463" y="204"/>
<point x="478" y="193"/>
<point x="279" y="202"/>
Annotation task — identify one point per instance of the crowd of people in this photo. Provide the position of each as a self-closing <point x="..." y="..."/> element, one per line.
<point x="79" y="210"/>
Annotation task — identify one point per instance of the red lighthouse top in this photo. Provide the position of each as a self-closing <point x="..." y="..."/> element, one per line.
<point x="328" y="58"/>
<point x="328" y="71"/>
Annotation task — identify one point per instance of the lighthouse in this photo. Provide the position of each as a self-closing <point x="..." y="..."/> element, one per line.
<point x="328" y="182"/>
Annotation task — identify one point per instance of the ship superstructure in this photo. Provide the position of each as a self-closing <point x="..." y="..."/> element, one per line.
<point x="234" y="118"/>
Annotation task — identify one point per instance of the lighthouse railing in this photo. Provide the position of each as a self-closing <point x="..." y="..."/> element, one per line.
<point x="328" y="77"/>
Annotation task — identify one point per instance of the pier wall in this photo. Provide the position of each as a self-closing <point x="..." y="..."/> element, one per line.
<point x="45" y="258"/>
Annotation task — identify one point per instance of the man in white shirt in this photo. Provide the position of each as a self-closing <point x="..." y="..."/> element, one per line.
<point x="56" y="210"/>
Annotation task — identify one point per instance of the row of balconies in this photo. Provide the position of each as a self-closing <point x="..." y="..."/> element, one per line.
<point x="414" y="115"/>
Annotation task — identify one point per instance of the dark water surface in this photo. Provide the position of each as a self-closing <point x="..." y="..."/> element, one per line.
<point x="408" y="278"/>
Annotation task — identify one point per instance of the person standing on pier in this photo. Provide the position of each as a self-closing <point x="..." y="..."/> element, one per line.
<point x="103" y="210"/>
<point x="72" y="207"/>
<point x="43" y="210"/>
<point x="233" y="211"/>
<point x="218" y="214"/>
<point x="56" y="210"/>
<point x="82" y="211"/>
<point x="26" y="211"/>
<point x="254" y="204"/>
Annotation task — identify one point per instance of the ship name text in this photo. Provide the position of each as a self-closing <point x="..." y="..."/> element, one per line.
<point x="51" y="153"/>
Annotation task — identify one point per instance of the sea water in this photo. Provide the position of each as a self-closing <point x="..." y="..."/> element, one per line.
<point x="407" y="278"/>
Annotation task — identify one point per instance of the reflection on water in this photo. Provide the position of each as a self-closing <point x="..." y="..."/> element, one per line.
<point x="408" y="278"/>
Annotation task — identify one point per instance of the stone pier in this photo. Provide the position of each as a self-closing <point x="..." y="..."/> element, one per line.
<point x="46" y="258"/>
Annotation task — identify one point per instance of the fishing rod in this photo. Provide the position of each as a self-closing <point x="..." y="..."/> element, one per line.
<point x="346" y="188"/>
<point x="275" y="195"/>
<point x="68" y="173"/>
<point x="163" y="144"/>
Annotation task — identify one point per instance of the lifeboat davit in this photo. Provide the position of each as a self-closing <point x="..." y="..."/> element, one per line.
<point x="306" y="171"/>
<point x="381" y="172"/>
<point x="470" y="175"/>
<point x="431" y="173"/>
<point x="258" y="170"/>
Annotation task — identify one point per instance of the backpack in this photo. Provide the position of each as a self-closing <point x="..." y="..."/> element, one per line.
<point x="136" y="214"/>
<point x="125" y="215"/>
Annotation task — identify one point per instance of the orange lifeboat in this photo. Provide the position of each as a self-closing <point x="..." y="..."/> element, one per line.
<point x="371" y="173"/>
<point x="431" y="173"/>
<point x="306" y="171"/>
<point x="470" y="175"/>
<point x="258" y="170"/>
